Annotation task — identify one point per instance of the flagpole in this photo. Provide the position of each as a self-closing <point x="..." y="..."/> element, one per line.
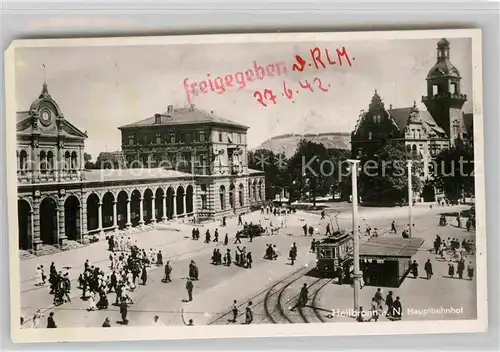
<point x="355" y="234"/>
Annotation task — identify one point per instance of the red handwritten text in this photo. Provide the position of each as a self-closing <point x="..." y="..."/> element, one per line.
<point x="267" y="96"/>
<point x="239" y="80"/>
<point x="321" y="59"/>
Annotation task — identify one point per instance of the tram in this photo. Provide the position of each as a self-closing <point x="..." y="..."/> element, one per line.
<point x="333" y="253"/>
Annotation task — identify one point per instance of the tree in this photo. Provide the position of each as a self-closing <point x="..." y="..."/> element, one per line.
<point x="312" y="169"/>
<point x="88" y="161"/>
<point x="274" y="167"/>
<point x="383" y="178"/>
<point x="107" y="160"/>
<point x="453" y="171"/>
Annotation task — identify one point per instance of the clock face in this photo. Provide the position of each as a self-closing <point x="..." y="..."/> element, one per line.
<point x="45" y="117"/>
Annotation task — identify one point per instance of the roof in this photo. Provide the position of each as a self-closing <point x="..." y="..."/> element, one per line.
<point x="184" y="116"/>
<point x="131" y="174"/>
<point x="400" y="116"/>
<point x="22" y="115"/>
<point x="391" y="247"/>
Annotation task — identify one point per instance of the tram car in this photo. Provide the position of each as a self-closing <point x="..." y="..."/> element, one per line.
<point x="333" y="252"/>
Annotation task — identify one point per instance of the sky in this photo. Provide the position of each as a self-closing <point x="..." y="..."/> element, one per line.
<point x="100" y="88"/>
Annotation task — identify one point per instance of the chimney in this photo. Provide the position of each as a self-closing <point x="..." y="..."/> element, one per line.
<point x="170" y="109"/>
<point x="191" y="107"/>
<point x="157" y="118"/>
<point x="390" y="107"/>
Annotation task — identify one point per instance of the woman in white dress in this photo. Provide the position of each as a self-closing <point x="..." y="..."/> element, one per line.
<point x="39" y="277"/>
<point x="91" y="301"/>
<point x="37" y="319"/>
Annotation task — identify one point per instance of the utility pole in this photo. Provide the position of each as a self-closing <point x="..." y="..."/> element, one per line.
<point x="355" y="234"/>
<point x="410" y="198"/>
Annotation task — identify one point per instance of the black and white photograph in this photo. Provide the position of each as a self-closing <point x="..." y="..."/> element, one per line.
<point x="246" y="185"/>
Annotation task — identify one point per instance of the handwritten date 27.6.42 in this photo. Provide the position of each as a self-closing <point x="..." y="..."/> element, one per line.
<point x="268" y="97"/>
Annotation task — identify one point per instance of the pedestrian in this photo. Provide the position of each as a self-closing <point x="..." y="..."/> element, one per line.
<point x="389" y="301"/>
<point x="216" y="235"/>
<point x="159" y="259"/>
<point x="226" y="240"/>
<point x="293" y="255"/>
<point x="470" y="271"/>
<point x="189" y="288"/>
<point x="428" y="269"/>
<point x="328" y="231"/>
<point x="144" y="276"/>
<point x="51" y="324"/>
<point x="313" y="246"/>
<point x="39" y="277"/>
<point x="305" y="229"/>
<point x="207" y="236"/>
<point x="124" y="311"/>
<point x="311" y="230"/>
<point x="106" y="323"/>
<point x="459" y="222"/>
<point x="234" y="310"/>
<point x="240" y="220"/>
<point x="322" y="214"/>
<point x="451" y="270"/>
<point x="414" y="269"/>
<point x="248" y="313"/>
<point x="397" y="309"/>
<point x="393" y="227"/>
<point x="460" y="268"/>
<point x="303" y="295"/>
<point x="91" y="302"/>
<point x="378" y="297"/>
<point x="359" y="315"/>
<point x="224" y="221"/>
<point x="168" y="271"/>
<point x="237" y="240"/>
<point x="374" y="310"/>
<point x="249" y="260"/>
<point x="37" y="317"/>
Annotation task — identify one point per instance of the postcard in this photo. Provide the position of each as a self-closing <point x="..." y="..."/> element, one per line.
<point x="217" y="186"/>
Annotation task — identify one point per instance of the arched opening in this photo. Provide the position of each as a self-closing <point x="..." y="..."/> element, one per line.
<point x="240" y="195"/>
<point x="24" y="224"/>
<point x="159" y="204"/>
<point x="122" y="209"/>
<point x="67" y="160"/>
<point x="92" y="212"/>
<point x="147" y="206"/>
<point x="50" y="160"/>
<point x="254" y="191"/>
<point x="180" y="200"/>
<point x="23" y="160"/>
<point x="72" y="218"/>
<point x="107" y="209"/>
<point x="135" y="206"/>
<point x="43" y="161"/>
<point x="259" y="190"/>
<point x="73" y="161"/>
<point x="48" y="221"/>
<point x="189" y="199"/>
<point x="222" y="197"/>
<point x="232" y="202"/>
<point x="250" y="190"/>
<point x="170" y="202"/>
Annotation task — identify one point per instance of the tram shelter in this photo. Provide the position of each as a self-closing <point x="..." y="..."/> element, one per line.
<point x="385" y="261"/>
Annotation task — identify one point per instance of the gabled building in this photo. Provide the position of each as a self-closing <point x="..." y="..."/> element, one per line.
<point x="427" y="132"/>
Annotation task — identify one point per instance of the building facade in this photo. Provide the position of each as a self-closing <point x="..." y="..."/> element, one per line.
<point x="426" y="132"/>
<point x="212" y="149"/>
<point x="60" y="202"/>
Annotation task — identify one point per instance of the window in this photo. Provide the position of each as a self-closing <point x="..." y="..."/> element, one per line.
<point x="220" y="136"/>
<point x="204" y="202"/>
<point x="376" y="118"/>
<point x="413" y="132"/>
<point x="238" y="138"/>
<point x="202" y="136"/>
<point x="222" y="196"/>
<point x="172" y="137"/>
<point x="131" y="139"/>
<point x="158" y="138"/>
<point x="369" y="135"/>
<point x="434" y="89"/>
<point x="187" y="137"/>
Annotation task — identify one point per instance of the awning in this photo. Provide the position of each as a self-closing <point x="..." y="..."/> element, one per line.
<point x="390" y="248"/>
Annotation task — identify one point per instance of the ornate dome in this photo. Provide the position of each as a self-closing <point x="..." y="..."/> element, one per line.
<point x="443" y="66"/>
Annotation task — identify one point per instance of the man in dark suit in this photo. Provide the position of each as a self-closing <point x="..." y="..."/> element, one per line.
<point x="51" y="324"/>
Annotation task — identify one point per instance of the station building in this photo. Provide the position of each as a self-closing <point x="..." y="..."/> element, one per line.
<point x="60" y="202"/>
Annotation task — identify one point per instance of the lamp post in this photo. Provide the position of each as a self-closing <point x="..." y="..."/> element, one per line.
<point x="410" y="198"/>
<point x="355" y="234"/>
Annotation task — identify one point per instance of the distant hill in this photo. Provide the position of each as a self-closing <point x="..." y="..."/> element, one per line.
<point x="288" y="142"/>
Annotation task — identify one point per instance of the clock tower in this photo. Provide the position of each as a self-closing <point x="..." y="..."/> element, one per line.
<point x="444" y="100"/>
